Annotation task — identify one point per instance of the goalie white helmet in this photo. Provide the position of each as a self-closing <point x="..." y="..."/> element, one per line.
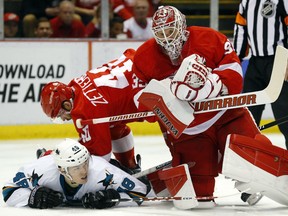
<point x="169" y="30"/>
<point x="70" y="153"/>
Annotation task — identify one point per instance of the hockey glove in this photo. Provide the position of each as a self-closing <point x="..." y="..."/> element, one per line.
<point x="192" y="72"/>
<point x="43" y="198"/>
<point x="101" y="199"/>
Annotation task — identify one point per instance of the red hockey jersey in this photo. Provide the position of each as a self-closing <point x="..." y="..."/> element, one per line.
<point x="150" y="62"/>
<point x="103" y="92"/>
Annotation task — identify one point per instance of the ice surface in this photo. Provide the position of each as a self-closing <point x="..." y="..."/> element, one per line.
<point x="14" y="153"/>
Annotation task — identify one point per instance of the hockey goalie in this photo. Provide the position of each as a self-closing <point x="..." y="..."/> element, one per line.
<point x="257" y="166"/>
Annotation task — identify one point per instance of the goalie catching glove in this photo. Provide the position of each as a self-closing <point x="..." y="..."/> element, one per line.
<point x="43" y="198"/>
<point x="101" y="199"/>
<point x="194" y="80"/>
<point x="183" y="91"/>
<point x="192" y="72"/>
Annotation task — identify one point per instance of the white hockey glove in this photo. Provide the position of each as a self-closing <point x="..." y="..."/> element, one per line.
<point x="212" y="88"/>
<point x="192" y="72"/>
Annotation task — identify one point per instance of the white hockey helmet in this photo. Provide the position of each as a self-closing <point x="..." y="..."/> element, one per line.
<point x="69" y="153"/>
<point x="169" y="30"/>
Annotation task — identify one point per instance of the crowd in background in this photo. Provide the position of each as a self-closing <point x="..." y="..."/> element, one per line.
<point x="80" y="19"/>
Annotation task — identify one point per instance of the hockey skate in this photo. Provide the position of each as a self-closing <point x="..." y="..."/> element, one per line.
<point x="251" y="199"/>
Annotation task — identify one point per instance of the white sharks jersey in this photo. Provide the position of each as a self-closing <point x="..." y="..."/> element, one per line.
<point x="44" y="172"/>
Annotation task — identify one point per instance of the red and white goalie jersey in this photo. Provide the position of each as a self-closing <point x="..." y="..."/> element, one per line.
<point x="150" y="62"/>
<point x="102" y="92"/>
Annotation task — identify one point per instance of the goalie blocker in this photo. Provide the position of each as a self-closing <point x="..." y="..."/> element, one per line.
<point x="258" y="166"/>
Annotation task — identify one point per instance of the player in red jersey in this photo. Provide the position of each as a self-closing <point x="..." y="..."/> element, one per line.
<point x="101" y="92"/>
<point x="215" y="71"/>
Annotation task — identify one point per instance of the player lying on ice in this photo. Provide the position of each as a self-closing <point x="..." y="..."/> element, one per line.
<point x="69" y="176"/>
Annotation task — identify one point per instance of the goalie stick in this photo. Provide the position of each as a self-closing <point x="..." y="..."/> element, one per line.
<point x="265" y="96"/>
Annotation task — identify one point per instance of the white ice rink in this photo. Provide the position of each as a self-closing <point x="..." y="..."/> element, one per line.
<point x="14" y="153"/>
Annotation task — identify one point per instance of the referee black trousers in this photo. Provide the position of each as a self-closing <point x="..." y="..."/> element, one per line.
<point x="257" y="77"/>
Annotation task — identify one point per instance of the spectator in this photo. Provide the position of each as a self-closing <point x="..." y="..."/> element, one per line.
<point x="43" y="28"/>
<point x="86" y="9"/>
<point x="124" y="8"/>
<point x="117" y="29"/>
<point x="65" y="25"/>
<point x="139" y="26"/>
<point x="33" y="10"/>
<point x="11" y="25"/>
<point x="93" y="29"/>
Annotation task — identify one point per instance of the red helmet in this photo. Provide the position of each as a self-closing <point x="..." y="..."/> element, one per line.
<point x="52" y="96"/>
<point x="169" y="30"/>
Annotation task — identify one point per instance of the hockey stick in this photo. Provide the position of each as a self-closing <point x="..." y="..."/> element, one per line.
<point x="80" y="123"/>
<point x="274" y="123"/>
<point x="142" y="199"/>
<point x="266" y="96"/>
<point x="153" y="169"/>
<point x="145" y="199"/>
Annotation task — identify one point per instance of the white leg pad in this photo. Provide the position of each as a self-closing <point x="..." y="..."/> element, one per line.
<point x="253" y="178"/>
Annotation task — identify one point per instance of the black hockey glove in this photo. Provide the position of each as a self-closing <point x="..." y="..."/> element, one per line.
<point x="43" y="198"/>
<point x="100" y="199"/>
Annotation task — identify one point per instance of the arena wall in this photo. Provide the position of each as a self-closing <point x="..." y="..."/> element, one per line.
<point x="26" y="66"/>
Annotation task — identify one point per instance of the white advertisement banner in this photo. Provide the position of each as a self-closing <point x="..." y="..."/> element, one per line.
<point x="25" y="67"/>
